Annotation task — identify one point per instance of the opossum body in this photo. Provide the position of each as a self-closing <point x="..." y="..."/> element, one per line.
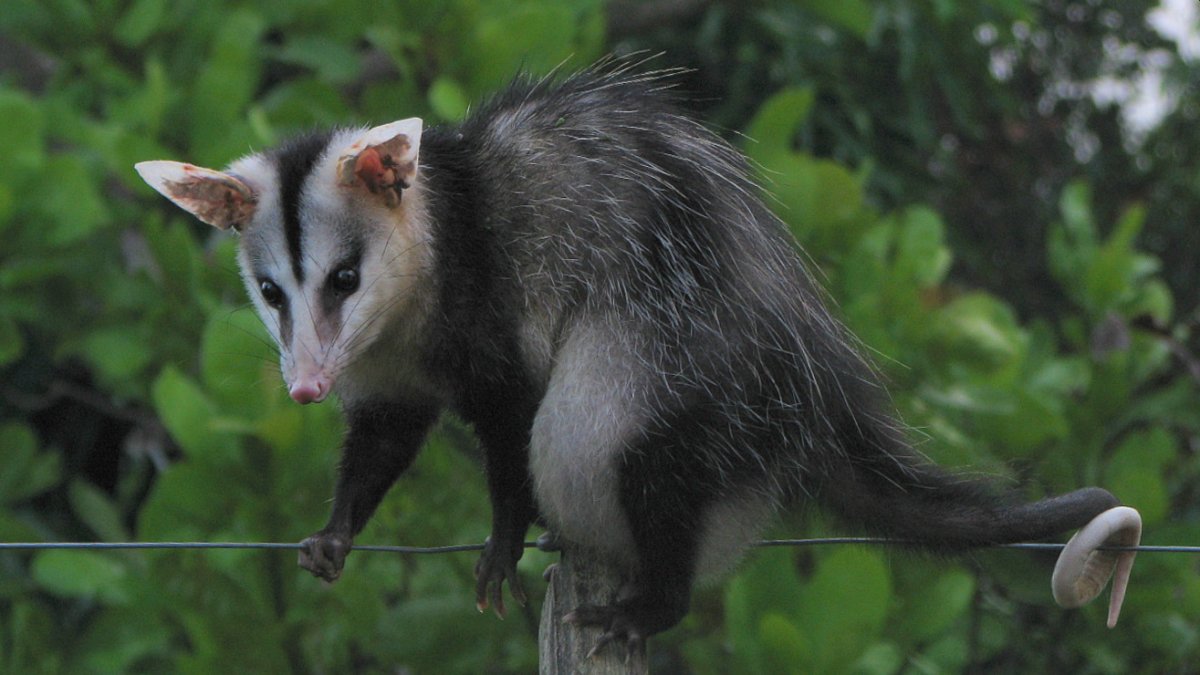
<point x="590" y="279"/>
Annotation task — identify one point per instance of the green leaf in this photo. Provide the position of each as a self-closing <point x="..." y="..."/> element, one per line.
<point x="1111" y="275"/>
<point x="305" y="102"/>
<point x="978" y="327"/>
<point x="448" y="99"/>
<point x="24" y="471"/>
<point x="820" y="200"/>
<point x="238" y="362"/>
<point x="225" y="87"/>
<point x="12" y="345"/>
<point x="69" y="201"/>
<point x="189" y="416"/>
<point x="21" y="136"/>
<point x="773" y="129"/>
<point x="852" y="15"/>
<point x="785" y="647"/>
<point x="881" y="658"/>
<point x="140" y="21"/>
<point x="82" y="574"/>
<point x="331" y="60"/>
<point x="97" y="511"/>
<point x="921" y="254"/>
<point x="118" y="352"/>
<point x="187" y="501"/>
<point x="937" y="605"/>
<point x="844" y="607"/>
<point x="118" y="638"/>
<point x="1136" y="470"/>
<point x="766" y="584"/>
<point x="533" y="36"/>
<point x="1075" y="205"/>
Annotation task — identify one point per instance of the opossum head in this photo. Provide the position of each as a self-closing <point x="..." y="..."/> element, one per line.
<point x="333" y="239"/>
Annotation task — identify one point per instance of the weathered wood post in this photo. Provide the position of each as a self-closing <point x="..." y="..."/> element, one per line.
<point x="563" y="648"/>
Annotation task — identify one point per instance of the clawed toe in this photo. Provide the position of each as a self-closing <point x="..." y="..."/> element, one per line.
<point x="618" y="628"/>
<point x="495" y="566"/>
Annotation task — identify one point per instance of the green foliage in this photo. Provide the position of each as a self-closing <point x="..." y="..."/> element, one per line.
<point x="140" y="398"/>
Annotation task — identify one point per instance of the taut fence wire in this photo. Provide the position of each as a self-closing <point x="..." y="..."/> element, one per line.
<point x="458" y="548"/>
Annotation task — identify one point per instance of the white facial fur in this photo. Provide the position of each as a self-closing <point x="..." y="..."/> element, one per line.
<point x="319" y="337"/>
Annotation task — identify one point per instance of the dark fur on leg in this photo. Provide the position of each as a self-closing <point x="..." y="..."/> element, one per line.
<point x="382" y="441"/>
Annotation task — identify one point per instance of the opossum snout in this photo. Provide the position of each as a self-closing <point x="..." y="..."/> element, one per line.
<point x="310" y="389"/>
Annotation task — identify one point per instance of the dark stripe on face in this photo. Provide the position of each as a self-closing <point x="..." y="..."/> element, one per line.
<point x="332" y="298"/>
<point x="285" y="327"/>
<point x="295" y="160"/>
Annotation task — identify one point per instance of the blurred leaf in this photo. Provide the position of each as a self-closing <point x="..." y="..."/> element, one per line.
<point x="853" y="15"/>
<point x="1110" y="276"/>
<point x="448" y="99"/>
<point x="1076" y="208"/>
<point x="820" y="200"/>
<point x="766" y="584"/>
<point x="118" y="352"/>
<point x="921" y="253"/>
<point x="844" y="607"/>
<point x="881" y="658"/>
<point x="303" y="103"/>
<point x="531" y="36"/>
<point x="12" y="345"/>
<point x="185" y="504"/>
<point x="82" y="574"/>
<point x="24" y="471"/>
<point x="978" y="327"/>
<point x="69" y="200"/>
<point x="239" y="362"/>
<point x="937" y="605"/>
<point x="140" y="21"/>
<point x="21" y="136"/>
<point x="773" y="129"/>
<point x="1135" y="472"/>
<point x="786" y="648"/>
<point x="224" y="88"/>
<point x="332" y="61"/>
<point x="118" y="638"/>
<point x="98" y="511"/>
<point x="1153" y="299"/>
<point x="189" y="416"/>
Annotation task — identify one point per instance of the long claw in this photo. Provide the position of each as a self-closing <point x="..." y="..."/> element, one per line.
<point x="1083" y="570"/>
<point x="601" y="643"/>
<point x="497" y="595"/>
<point x="516" y="588"/>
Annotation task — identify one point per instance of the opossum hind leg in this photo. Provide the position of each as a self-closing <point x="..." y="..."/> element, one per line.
<point x="665" y="494"/>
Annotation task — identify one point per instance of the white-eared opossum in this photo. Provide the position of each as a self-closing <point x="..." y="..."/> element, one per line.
<point x="590" y="278"/>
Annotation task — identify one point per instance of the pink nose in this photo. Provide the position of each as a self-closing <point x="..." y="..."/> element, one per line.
<point x="308" y="392"/>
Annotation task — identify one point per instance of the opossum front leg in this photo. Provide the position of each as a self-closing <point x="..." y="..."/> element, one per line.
<point x="506" y="454"/>
<point x="382" y="440"/>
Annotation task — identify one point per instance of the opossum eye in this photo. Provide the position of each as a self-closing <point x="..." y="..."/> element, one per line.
<point x="344" y="280"/>
<point x="271" y="292"/>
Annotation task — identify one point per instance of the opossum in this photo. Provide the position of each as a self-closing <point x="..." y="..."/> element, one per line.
<point x="592" y="280"/>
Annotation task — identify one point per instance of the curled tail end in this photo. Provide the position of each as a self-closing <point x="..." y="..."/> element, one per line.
<point x="929" y="508"/>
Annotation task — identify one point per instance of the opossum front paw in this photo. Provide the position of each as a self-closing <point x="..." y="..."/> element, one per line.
<point x="324" y="553"/>
<point x="498" y="563"/>
<point x="618" y="624"/>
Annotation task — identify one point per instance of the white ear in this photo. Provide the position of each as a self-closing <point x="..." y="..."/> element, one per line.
<point x="383" y="159"/>
<point x="219" y="199"/>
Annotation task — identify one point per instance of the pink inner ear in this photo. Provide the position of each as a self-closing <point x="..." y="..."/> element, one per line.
<point x="222" y="202"/>
<point x="371" y="170"/>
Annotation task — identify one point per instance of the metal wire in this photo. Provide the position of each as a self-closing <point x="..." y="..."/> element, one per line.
<point x="458" y="548"/>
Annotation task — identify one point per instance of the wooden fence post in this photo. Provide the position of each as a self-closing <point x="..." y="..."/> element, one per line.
<point x="563" y="648"/>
